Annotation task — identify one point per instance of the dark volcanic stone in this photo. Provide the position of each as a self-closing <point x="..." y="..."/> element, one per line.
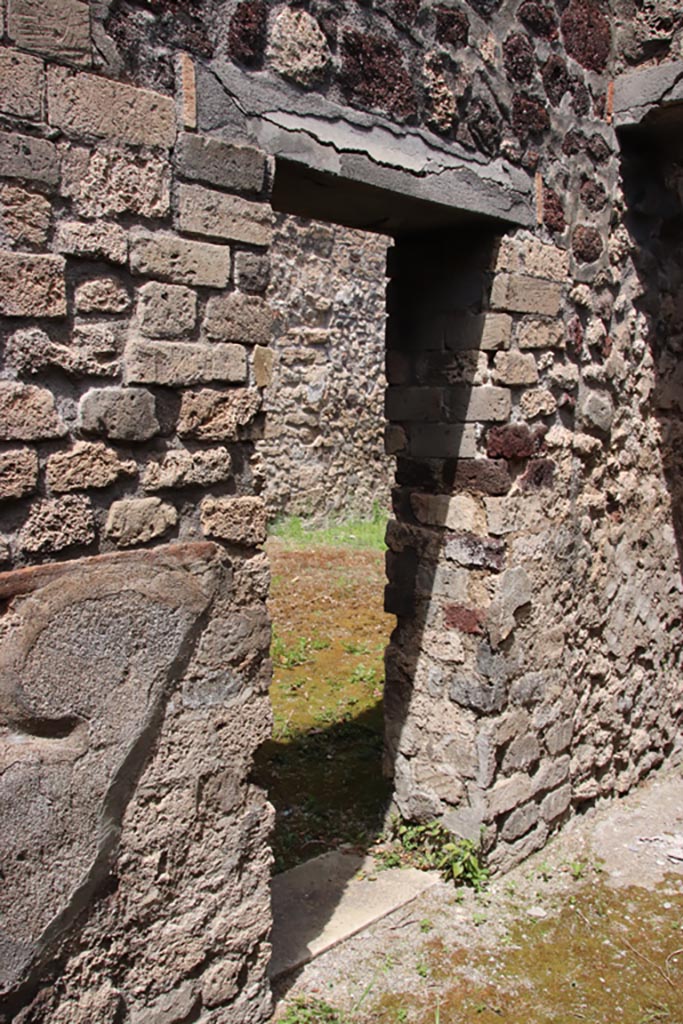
<point x="573" y="142"/>
<point x="587" y="35"/>
<point x="586" y="244"/>
<point x="486" y="476"/>
<point x="467" y="620"/>
<point x="598" y="148"/>
<point x="575" y="335"/>
<point x="247" y="32"/>
<point x="538" y="18"/>
<point x="485" y="125"/>
<point x="452" y="26"/>
<point x="529" y="116"/>
<point x="373" y="75"/>
<point x="581" y="98"/>
<point x="556" y="79"/>
<point x="540" y="473"/>
<point x="553" y="212"/>
<point x="512" y="441"/>
<point x="407" y="10"/>
<point x="518" y="57"/>
<point x="593" y="195"/>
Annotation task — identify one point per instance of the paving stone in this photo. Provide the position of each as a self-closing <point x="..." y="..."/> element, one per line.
<point x="32" y="285"/>
<point x="237" y="520"/>
<point x="22" y="84"/>
<point x="84" y="466"/>
<point x="235" y="168"/>
<point x="56" y="524"/>
<point x="18" y="473"/>
<point x="22" y="156"/>
<point x="202" y="211"/>
<point x="138" y="520"/>
<point x="181" y="364"/>
<point x="57" y="28"/>
<point x="162" y="254"/>
<point x="124" y="414"/>
<point x="85" y="106"/>
<point x="28" y="413"/>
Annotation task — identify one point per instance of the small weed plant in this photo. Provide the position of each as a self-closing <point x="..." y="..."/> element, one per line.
<point x="313" y="1011"/>
<point x="432" y="846"/>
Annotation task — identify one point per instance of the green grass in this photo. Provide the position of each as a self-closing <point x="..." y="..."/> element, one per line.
<point x="295" y="532"/>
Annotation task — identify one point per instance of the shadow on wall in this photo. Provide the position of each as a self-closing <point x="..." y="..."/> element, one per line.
<point x="653" y="186"/>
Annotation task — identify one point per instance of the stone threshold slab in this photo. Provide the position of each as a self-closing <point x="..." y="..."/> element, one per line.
<point x="328" y="899"/>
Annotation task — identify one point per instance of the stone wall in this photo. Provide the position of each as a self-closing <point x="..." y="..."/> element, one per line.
<point x="323" y="449"/>
<point x="134" y="641"/>
<point x="533" y="407"/>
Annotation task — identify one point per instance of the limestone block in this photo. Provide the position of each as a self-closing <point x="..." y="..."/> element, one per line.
<point x="18" y="472"/>
<point x="186" y="90"/>
<point x="93" y="656"/>
<point x="56" y="524"/>
<point x="515" y="369"/>
<point x="559" y="737"/>
<point x="556" y="803"/>
<point x="485" y="404"/>
<point x="237" y="520"/>
<point x="460" y="512"/>
<point x="101" y="295"/>
<point x="537" y="402"/>
<point x="93" y="350"/>
<point x="551" y="774"/>
<point x="107" y="181"/>
<point x="297" y="47"/>
<point x="162" y="254"/>
<point x="86" y="106"/>
<point x="595" y="410"/>
<point x="521" y="821"/>
<point x="22" y="156"/>
<point x="522" y="753"/>
<point x="521" y="294"/>
<point x="124" y="414"/>
<point x="202" y="211"/>
<point x="188" y="469"/>
<point x="166" y="310"/>
<point x="262" y="362"/>
<point x="442" y="441"/>
<point x="138" y="520"/>
<point x="541" y="334"/>
<point x="28" y="413"/>
<point x="235" y="168"/>
<point x="509" y="793"/>
<point x="252" y="271"/>
<point x="238" y="317"/>
<point x="32" y="285"/>
<point x="513" y="591"/>
<point x="99" y="241"/>
<point x="24" y="216"/>
<point x="86" y="465"/>
<point x="527" y="255"/>
<point x="181" y="364"/>
<point x="57" y="28"/>
<point x="22" y="83"/>
<point x="209" y="415"/>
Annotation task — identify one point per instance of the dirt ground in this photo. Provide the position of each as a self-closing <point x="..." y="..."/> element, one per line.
<point x="589" y="929"/>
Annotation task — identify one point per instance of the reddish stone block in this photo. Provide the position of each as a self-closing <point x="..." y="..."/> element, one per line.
<point x="538" y="18"/>
<point x="518" y="57"/>
<point x="247" y="32"/>
<point x="553" y="212"/>
<point x="467" y="620"/>
<point x="587" y="244"/>
<point x="513" y="441"/>
<point x="539" y="475"/>
<point x="587" y="35"/>
<point x="529" y="117"/>
<point x="483" y="476"/>
<point x="373" y="75"/>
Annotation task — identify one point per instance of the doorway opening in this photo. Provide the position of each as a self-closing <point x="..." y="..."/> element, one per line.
<point x="328" y="496"/>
